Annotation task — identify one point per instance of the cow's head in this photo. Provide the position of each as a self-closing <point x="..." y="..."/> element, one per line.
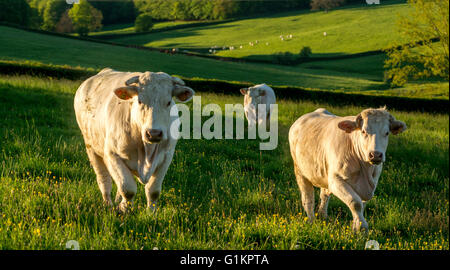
<point x="152" y="94"/>
<point x="373" y="127"/>
<point x="252" y="97"/>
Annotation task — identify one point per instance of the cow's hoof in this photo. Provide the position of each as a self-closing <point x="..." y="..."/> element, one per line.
<point x="123" y="207"/>
<point x="322" y="215"/>
<point x="108" y="204"/>
<point x="360" y="226"/>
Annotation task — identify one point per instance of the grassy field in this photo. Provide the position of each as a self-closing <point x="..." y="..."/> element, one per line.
<point x="128" y="28"/>
<point x="21" y="45"/>
<point x="342" y="75"/>
<point x="218" y="194"/>
<point x="349" y="30"/>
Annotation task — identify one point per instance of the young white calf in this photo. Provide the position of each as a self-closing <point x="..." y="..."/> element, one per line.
<point x="253" y="96"/>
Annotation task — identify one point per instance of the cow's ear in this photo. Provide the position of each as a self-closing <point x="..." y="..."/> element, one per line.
<point x="178" y="80"/>
<point x="348" y="126"/>
<point x="183" y="93"/>
<point x="126" y="92"/>
<point x="244" y="91"/>
<point x="397" y="127"/>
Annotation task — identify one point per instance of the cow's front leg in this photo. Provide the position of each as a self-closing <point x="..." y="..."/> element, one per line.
<point x="153" y="187"/>
<point x="341" y="189"/>
<point x="324" y="199"/>
<point x="126" y="185"/>
<point x="307" y="194"/>
<point x="103" y="176"/>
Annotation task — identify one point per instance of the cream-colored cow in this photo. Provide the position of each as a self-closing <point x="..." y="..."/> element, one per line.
<point x="253" y="97"/>
<point x="342" y="156"/>
<point x="125" y="120"/>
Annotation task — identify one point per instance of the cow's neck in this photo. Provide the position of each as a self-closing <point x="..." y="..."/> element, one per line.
<point x="367" y="174"/>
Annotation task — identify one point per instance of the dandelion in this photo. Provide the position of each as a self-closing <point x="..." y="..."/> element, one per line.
<point x="37" y="232"/>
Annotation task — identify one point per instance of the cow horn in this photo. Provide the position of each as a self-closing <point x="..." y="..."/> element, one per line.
<point x="359" y="121"/>
<point x="132" y="80"/>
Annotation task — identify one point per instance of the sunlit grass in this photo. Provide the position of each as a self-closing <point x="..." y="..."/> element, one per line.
<point x="218" y="194"/>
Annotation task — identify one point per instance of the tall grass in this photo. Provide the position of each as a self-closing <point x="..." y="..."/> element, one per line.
<point x="218" y="194"/>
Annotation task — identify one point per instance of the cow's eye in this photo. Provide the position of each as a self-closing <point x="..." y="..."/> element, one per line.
<point x="363" y="131"/>
<point x="168" y="104"/>
<point x="139" y="101"/>
<point x="387" y="133"/>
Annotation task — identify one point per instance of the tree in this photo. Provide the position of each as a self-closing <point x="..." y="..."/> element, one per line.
<point x="52" y="13"/>
<point x="85" y="18"/>
<point x="143" y="23"/>
<point x="421" y="57"/>
<point x="326" y="4"/>
<point x="65" y="24"/>
<point x="15" y="11"/>
<point x="115" y="11"/>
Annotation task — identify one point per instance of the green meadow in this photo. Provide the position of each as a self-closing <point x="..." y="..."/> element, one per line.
<point x="218" y="194"/>
<point x="349" y="30"/>
<point x="128" y="28"/>
<point x="21" y="45"/>
<point x="341" y="75"/>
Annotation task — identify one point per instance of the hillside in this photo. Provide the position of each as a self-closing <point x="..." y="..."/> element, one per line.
<point x="348" y="30"/>
<point x="16" y="44"/>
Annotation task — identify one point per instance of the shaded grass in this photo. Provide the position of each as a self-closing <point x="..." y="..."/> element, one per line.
<point x="128" y="28"/>
<point x="218" y="194"/>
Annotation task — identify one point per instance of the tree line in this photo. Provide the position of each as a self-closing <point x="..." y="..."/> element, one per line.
<point x="46" y="14"/>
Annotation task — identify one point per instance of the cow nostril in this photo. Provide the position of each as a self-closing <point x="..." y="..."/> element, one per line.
<point x="375" y="155"/>
<point x="154" y="134"/>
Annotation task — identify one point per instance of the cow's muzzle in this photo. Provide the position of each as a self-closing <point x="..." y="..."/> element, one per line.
<point x="154" y="135"/>
<point x="375" y="157"/>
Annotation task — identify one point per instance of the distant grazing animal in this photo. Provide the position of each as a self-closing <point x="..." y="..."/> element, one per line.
<point x="324" y="34"/>
<point x="342" y="156"/>
<point x="125" y="121"/>
<point x="258" y="94"/>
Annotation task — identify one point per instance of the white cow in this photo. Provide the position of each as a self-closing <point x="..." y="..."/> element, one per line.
<point x="253" y="96"/>
<point x="125" y="121"/>
<point x="342" y="156"/>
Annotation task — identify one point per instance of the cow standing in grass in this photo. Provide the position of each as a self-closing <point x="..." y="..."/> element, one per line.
<point x="125" y="120"/>
<point x="254" y="96"/>
<point x="342" y="156"/>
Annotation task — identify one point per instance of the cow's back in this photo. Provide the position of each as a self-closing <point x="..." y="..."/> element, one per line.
<point x="95" y="103"/>
<point x="312" y="139"/>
